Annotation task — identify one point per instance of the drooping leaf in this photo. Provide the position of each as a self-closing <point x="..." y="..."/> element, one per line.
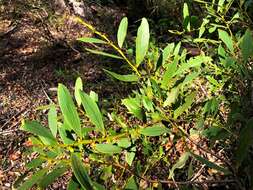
<point x="52" y="120"/>
<point x="91" y="40"/>
<point x="78" y="86"/>
<point x="68" y="109"/>
<point x="122" y="31"/>
<point x="43" y="133"/>
<point x="224" y="36"/>
<point x="107" y="148"/>
<point x="50" y="177"/>
<point x="103" y="53"/>
<point x="130" y="158"/>
<point x="125" y="78"/>
<point x="180" y="164"/>
<point x="142" y="41"/>
<point x="246" y="45"/>
<point x="92" y="111"/>
<point x="35" y="178"/>
<point x="245" y="142"/>
<point x="210" y="164"/>
<point x="155" y="130"/>
<point x="134" y="106"/>
<point x="80" y="172"/>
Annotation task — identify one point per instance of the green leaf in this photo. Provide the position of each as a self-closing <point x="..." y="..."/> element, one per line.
<point x="103" y="53"/>
<point x="171" y="97"/>
<point x="180" y="164"/>
<point x="169" y="73"/>
<point x="210" y="164"/>
<point x="188" y="102"/>
<point x="224" y="36"/>
<point x="155" y="130"/>
<point x="35" y="163"/>
<point x="142" y="41"/>
<point x="130" y="157"/>
<point x="68" y="109"/>
<point x="186" y="16"/>
<point x="66" y="138"/>
<point x="131" y="184"/>
<point x="124" y="143"/>
<point x="192" y="63"/>
<point x="43" y="133"/>
<point x="122" y="31"/>
<point x="78" y="86"/>
<point x="246" y="45"/>
<point x="91" y="40"/>
<point x="50" y="177"/>
<point x="28" y="184"/>
<point x="125" y="78"/>
<point x="107" y="148"/>
<point x="73" y="184"/>
<point x="167" y="52"/>
<point x="52" y="120"/>
<point x="80" y="172"/>
<point x="94" y="96"/>
<point x="134" y="106"/>
<point x="245" y="142"/>
<point x="92" y="111"/>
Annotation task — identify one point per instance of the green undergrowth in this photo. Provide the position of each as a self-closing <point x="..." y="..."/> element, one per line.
<point x="188" y="117"/>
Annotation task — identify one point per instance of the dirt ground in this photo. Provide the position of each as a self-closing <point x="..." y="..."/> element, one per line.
<point x="38" y="50"/>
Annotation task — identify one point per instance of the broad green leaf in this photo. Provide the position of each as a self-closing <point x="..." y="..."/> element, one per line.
<point x="147" y="103"/>
<point x="186" y="16"/>
<point x="155" y="130"/>
<point x="35" y="178"/>
<point x="180" y="164"/>
<point x="78" y="86"/>
<point x="80" y="172"/>
<point x="122" y="31"/>
<point x="107" y="148"/>
<point x="131" y="184"/>
<point x="92" y="111"/>
<point x="210" y="164"/>
<point x="188" y="102"/>
<point x="246" y="45"/>
<point x="98" y="186"/>
<point x="130" y="158"/>
<point x="68" y="109"/>
<point x="91" y="40"/>
<point x="245" y="142"/>
<point x="50" y="177"/>
<point x="125" y="78"/>
<point x="52" y="120"/>
<point x="142" y="41"/>
<point x="124" y="143"/>
<point x="171" y="97"/>
<point x="103" y="53"/>
<point x="43" y="133"/>
<point x="134" y="106"/>
<point x="224" y="36"/>
<point x="177" y="49"/>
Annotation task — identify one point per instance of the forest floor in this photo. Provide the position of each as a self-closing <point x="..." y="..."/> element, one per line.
<point x="38" y="50"/>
